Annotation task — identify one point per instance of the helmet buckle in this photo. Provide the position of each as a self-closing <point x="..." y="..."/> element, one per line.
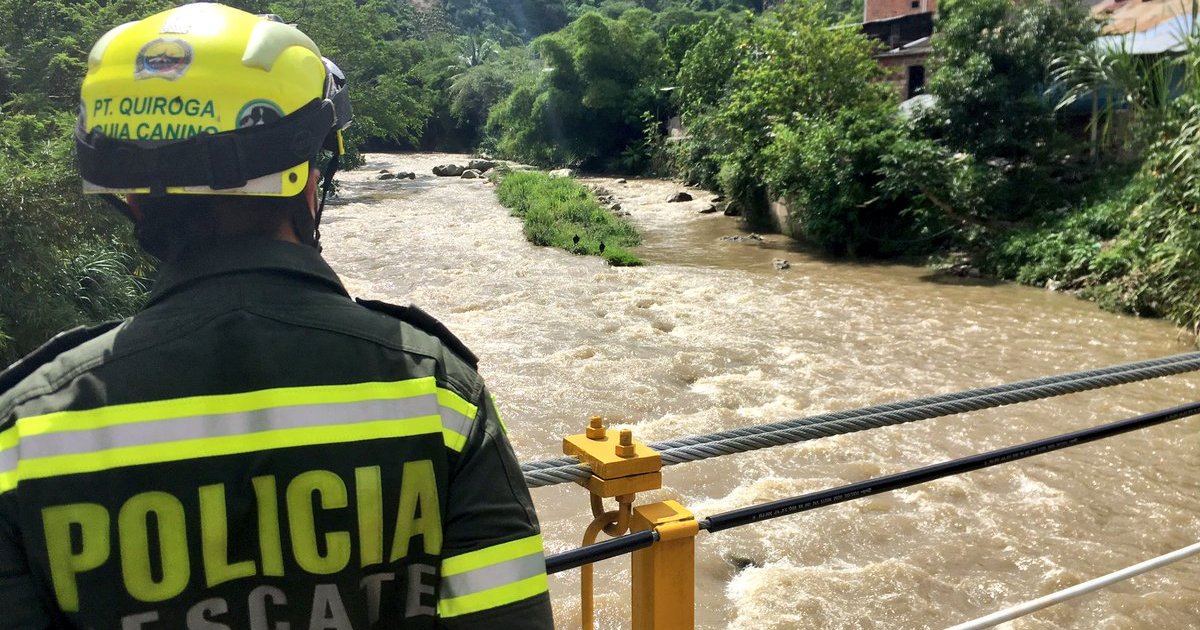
<point x="226" y="163"/>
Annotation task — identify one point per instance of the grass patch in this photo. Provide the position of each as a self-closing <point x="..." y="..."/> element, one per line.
<point x="560" y="212"/>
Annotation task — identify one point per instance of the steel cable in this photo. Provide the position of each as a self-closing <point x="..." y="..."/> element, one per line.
<point x="741" y="440"/>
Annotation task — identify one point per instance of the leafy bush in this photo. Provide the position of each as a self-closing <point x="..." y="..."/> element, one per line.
<point x="764" y="104"/>
<point x="68" y="260"/>
<point x="1074" y="247"/>
<point x="994" y="60"/>
<point x="828" y="172"/>
<point x="1161" y="238"/>
<point x="559" y="212"/>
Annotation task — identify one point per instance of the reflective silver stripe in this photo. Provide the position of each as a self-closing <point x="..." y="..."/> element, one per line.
<point x="8" y="460"/>
<point x="221" y="425"/>
<point x="455" y="421"/>
<point x="492" y="576"/>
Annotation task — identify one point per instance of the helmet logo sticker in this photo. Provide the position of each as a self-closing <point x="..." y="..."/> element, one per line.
<point x="258" y="112"/>
<point x="166" y="58"/>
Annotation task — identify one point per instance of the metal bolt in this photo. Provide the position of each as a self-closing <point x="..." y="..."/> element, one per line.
<point x="596" y="430"/>
<point x="626" y="448"/>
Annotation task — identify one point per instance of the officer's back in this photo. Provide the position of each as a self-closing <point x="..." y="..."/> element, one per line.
<point x="254" y="449"/>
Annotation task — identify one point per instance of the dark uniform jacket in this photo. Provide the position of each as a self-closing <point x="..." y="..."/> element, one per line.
<point x="256" y="450"/>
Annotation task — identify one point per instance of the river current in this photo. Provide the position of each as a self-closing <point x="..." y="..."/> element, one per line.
<point x="709" y="335"/>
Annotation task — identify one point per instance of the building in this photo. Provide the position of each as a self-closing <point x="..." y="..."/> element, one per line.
<point x="904" y="28"/>
<point x="885" y="9"/>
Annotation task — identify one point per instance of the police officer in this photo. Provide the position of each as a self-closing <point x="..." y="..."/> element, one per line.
<point x="254" y="449"/>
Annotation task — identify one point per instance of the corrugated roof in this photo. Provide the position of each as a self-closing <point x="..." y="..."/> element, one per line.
<point x="1166" y="36"/>
<point x="1129" y="16"/>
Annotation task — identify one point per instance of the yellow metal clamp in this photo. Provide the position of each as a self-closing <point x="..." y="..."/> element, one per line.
<point x="664" y="574"/>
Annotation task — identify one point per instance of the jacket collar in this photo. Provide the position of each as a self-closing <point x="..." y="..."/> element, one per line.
<point x="239" y="255"/>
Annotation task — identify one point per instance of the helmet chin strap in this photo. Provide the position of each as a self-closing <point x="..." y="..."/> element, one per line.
<point x="121" y="206"/>
<point x="326" y="185"/>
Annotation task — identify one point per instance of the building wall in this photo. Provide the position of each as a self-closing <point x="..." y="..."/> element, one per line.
<point x="895" y="71"/>
<point x="884" y="9"/>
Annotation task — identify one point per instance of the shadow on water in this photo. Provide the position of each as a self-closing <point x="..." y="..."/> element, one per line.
<point x="947" y="278"/>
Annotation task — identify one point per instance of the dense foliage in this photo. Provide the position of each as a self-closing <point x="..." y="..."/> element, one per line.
<point x="789" y="107"/>
<point x="585" y="107"/>
<point x="68" y="260"/>
<point x="993" y="159"/>
<point x="997" y="168"/>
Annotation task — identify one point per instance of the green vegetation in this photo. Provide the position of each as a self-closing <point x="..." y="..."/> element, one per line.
<point x="66" y="264"/>
<point x="559" y="212"/>
<point x="68" y="260"/>
<point x="1011" y="177"/>
<point x="585" y="108"/>
<point x="1041" y="157"/>
<point x="790" y="107"/>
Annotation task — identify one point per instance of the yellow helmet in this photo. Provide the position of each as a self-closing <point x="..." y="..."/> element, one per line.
<point x="207" y="99"/>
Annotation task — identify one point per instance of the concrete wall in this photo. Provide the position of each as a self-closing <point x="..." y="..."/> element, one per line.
<point x="884" y="9"/>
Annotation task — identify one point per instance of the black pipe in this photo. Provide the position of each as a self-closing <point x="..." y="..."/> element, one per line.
<point x="803" y="503"/>
<point x="600" y="551"/>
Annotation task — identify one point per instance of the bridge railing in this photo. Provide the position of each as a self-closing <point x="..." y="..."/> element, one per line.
<point x="663" y="534"/>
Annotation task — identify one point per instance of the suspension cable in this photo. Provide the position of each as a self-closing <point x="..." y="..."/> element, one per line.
<point x="1078" y="590"/>
<point x="887" y="483"/>
<point x="824" y="498"/>
<point x="699" y="447"/>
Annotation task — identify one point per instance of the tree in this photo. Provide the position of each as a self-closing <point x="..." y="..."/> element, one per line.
<point x="599" y="76"/>
<point x="792" y="70"/>
<point x="473" y="92"/>
<point x="508" y="21"/>
<point x="994" y="62"/>
<point x="391" y="103"/>
<point x="707" y="63"/>
<point x="987" y="155"/>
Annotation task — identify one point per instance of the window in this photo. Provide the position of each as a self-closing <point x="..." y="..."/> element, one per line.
<point x="916" y="4"/>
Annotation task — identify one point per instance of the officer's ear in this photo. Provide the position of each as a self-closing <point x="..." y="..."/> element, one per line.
<point x="310" y="191"/>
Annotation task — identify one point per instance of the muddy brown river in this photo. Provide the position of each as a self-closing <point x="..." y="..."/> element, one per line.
<point x="709" y="336"/>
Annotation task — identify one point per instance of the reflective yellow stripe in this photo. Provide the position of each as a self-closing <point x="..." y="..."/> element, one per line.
<point x="493" y="598"/>
<point x="499" y="418"/>
<point x="456" y="424"/>
<point x="516" y="569"/>
<point x="454" y="440"/>
<point x="454" y="432"/>
<point x="492" y="555"/>
<point x="8" y="459"/>
<point x="8" y="439"/>
<point x="447" y="398"/>
<point x="223" y="404"/>
<point x="8" y="481"/>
